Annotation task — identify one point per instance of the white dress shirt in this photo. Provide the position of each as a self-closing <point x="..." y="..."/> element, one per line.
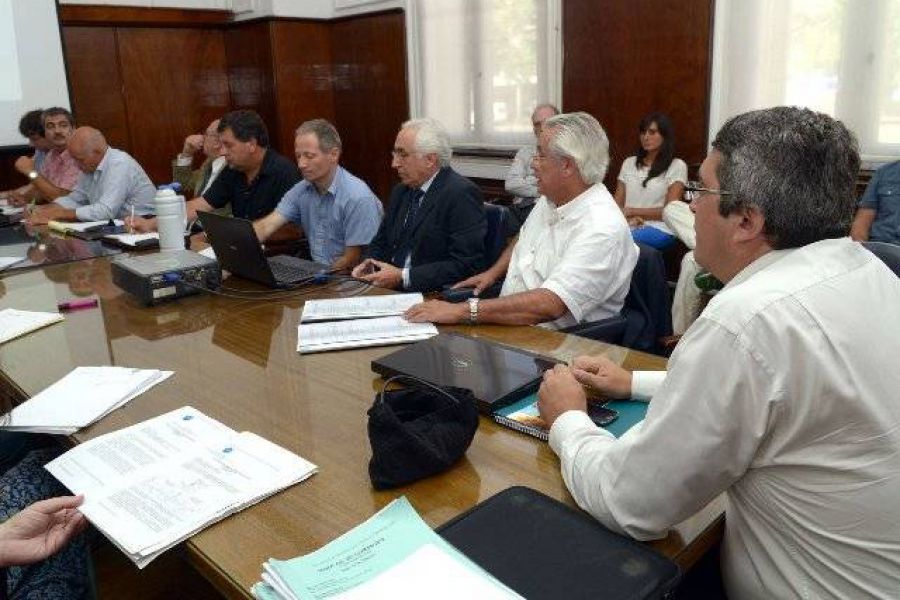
<point x="581" y="251"/>
<point x="652" y="195"/>
<point x="520" y="179"/>
<point x="783" y="394"/>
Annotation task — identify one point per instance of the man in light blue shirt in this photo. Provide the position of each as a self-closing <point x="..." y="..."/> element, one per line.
<point x="338" y="212"/>
<point x="111" y="183"/>
<point x="878" y="217"/>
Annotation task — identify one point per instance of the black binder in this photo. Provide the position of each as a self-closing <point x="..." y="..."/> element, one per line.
<point x="542" y="548"/>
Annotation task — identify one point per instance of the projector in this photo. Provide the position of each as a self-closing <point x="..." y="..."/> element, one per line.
<point x="155" y="278"/>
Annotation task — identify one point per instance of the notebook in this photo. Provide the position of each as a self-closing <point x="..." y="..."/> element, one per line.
<point x="496" y="375"/>
<point x="239" y="252"/>
<point x="88" y="230"/>
<point x="523" y="415"/>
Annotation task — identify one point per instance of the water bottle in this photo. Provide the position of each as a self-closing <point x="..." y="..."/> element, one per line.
<point x="171" y="219"/>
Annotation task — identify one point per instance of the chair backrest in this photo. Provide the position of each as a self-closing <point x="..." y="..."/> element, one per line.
<point x="888" y="253"/>
<point x="646" y="309"/>
<point x="495" y="237"/>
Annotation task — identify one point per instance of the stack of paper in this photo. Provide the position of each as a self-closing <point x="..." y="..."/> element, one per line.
<point x="134" y="240"/>
<point x="358" y="307"/>
<point x="82" y="226"/>
<point x="8" y="261"/>
<point x="359" y="333"/>
<point x="152" y="485"/>
<point x="392" y="555"/>
<point x="82" y="397"/>
<point x="14" y="323"/>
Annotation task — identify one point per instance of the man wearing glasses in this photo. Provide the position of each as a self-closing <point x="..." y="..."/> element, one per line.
<point x="196" y="182"/>
<point x="573" y="259"/>
<point x="434" y="228"/>
<point x="782" y="395"/>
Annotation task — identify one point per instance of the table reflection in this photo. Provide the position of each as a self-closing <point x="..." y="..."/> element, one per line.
<point x="24" y="246"/>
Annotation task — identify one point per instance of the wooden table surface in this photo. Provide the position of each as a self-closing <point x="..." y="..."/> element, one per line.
<point x="236" y="360"/>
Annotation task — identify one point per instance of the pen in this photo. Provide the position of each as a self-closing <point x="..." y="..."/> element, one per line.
<point x="76" y="304"/>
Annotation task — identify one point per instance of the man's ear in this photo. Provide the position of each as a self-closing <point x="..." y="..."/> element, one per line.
<point x="750" y="224"/>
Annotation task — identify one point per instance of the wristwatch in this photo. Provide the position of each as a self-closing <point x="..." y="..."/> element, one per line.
<point x="32" y="175"/>
<point x="473" y="311"/>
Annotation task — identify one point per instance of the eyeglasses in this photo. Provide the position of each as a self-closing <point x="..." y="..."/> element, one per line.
<point x="694" y="189"/>
<point x="401" y="154"/>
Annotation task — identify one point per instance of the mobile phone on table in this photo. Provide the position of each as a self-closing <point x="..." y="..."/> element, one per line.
<point x="600" y="414"/>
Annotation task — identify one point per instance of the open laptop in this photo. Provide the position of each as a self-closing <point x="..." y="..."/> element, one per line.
<point x="497" y="375"/>
<point x="238" y="251"/>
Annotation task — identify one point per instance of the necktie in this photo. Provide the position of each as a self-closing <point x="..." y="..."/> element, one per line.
<point x="413" y="209"/>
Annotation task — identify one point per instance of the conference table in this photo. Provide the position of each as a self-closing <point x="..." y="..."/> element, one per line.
<point x="235" y="358"/>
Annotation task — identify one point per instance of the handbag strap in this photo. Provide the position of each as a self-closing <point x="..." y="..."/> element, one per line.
<point x="419" y="381"/>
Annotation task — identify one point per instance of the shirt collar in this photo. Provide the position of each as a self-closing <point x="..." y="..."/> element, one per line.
<point x="758" y="265"/>
<point x="104" y="161"/>
<point x="570" y="209"/>
<point x="424" y="187"/>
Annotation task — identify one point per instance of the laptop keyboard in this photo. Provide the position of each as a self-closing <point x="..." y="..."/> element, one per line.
<point x="289" y="269"/>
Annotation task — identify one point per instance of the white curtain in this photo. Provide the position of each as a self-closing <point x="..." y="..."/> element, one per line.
<point x="481" y="66"/>
<point x="841" y="57"/>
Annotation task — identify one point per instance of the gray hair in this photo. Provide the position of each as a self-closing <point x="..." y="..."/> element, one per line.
<point x="796" y="166"/>
<point x="580" y="137"/>
<point x="431" y="138"/>
<point x="323" y="130"/>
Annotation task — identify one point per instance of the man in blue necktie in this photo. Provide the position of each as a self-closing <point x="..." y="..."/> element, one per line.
<point x="433" y="232"/>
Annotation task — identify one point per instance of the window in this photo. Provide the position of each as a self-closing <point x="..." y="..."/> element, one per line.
<point x="834" y="56"/>
<point x="481" y="66"/>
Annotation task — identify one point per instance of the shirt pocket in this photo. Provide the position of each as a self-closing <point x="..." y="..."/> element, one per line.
<point x="889" y="199"/>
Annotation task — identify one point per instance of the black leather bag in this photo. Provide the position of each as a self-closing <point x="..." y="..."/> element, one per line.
<point x="418" y="431"/>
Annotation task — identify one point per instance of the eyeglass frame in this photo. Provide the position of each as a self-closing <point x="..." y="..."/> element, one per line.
<point x="694" y="187"/>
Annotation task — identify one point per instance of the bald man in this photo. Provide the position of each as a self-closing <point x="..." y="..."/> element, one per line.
<point x="111" y="182"/>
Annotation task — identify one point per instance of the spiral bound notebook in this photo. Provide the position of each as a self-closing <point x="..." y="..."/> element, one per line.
<point x="523" y="416"/>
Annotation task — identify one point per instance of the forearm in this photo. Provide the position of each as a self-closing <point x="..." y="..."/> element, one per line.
<point x="48" y="190"/>
<point x="349" y="259"/>
<point x="527" y="308"/>
<point x="197" y="205"/>
<point x="859" y="231"/>
<point x="649" y="214"/>
<point x="499" y="268"/>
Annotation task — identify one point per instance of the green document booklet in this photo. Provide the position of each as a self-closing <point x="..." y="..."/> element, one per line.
<point x="524" y="416"/>
<point x="394" y="554"/>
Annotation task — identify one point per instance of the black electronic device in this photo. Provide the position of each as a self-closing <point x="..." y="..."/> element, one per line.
<point x="497" y="375"/>
<point x="239" y="252"/>
<point x="155" y="278"/>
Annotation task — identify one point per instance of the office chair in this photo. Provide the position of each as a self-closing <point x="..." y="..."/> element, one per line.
<point x="646" y="317"/>
<point x="888" y="253"/>
<point x="494" y="241"/>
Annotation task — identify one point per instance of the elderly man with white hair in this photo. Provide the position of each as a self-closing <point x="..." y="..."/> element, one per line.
<point x="434" y="228"/>
<point x="574" y="255"/>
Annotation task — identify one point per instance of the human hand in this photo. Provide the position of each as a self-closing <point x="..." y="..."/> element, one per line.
<point x="16" y="198"/>
<point x="24" y="165"/>
<point x="479" y="282"/>
<point x="140" y="224"/>
<point x="384" y="275"/>
<point x="603" y="375"/>
<point x="437" y="311"/>
<point x="40" y="530"/>
<point x="560" y="392"/>
<point x="635" y="222"/>
<point x="192" y="144"/>
<point x="42" y="215"/>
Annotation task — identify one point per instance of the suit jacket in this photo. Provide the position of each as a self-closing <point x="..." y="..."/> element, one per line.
<point x="446" y="237"/>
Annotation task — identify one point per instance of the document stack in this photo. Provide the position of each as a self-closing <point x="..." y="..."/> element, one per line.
<point x="152" y="485"/>
<point x="359" y="322"/>
<point x="392" y="555"/>
<point x="84" y="396"/>
<point x="14" y="323"/>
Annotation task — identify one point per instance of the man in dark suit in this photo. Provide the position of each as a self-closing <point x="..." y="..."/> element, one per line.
<point x="434" y="228"/>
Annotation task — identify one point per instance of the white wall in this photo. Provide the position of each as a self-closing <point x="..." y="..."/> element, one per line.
<point x="253" y="9"/>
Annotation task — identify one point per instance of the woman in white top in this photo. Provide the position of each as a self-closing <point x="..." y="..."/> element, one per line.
<point x="650" y="180"/>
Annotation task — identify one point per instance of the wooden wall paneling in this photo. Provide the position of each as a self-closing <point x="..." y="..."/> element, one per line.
<point x="70" y="14"/>
<point x="371" y="93"/>
<point x="248" y="52"/>
<point x="625" y="59"/>
<point x="95" y="81"/>
<point x="9" y="177"/>
<point x="302" y="69"/>
<point x="176" y="82"/>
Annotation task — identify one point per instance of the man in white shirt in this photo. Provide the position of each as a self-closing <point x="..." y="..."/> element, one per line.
<point x="782" y="394"/>
<point x="574" y="256"/>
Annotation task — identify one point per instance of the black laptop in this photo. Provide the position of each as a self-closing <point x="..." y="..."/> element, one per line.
<point x="238" y="251"/>
<point x="497" y="375"/>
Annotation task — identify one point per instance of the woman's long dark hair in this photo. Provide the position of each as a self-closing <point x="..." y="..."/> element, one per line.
<point x="666" y="150"/>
